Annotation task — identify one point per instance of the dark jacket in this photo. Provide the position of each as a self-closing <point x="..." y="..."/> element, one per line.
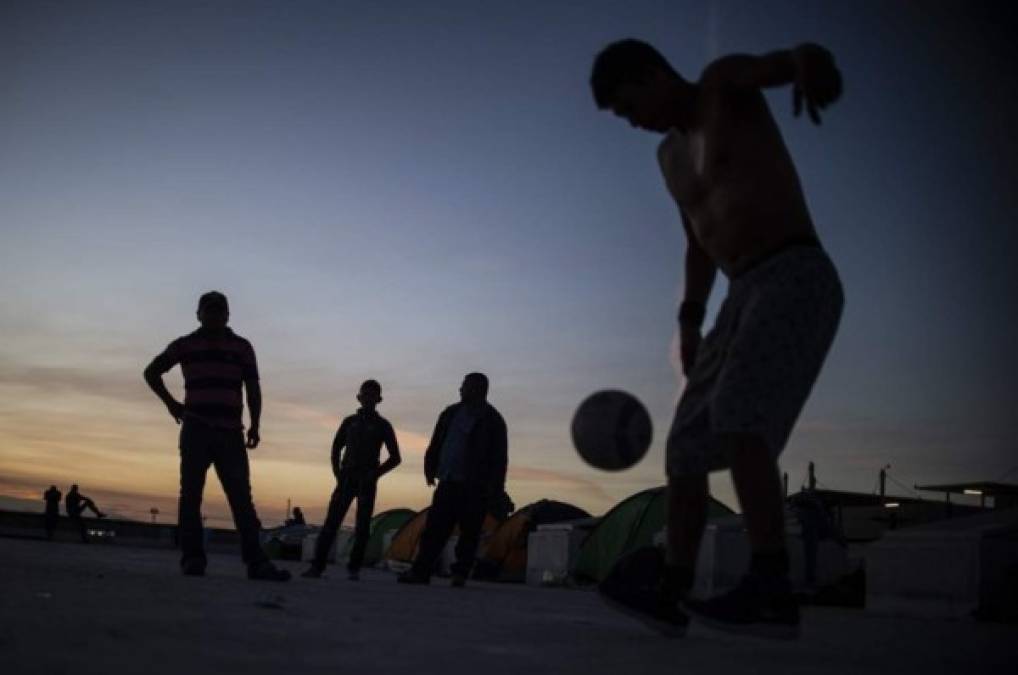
<point x="487" y="449"/>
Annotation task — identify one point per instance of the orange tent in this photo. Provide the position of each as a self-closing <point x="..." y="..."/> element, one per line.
<point x="407" y="539"/>
<point x="504" y="556"/>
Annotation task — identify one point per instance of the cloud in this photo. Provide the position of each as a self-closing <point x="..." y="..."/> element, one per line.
<point x="562" y="479"/>
<point x="111" y="383"/>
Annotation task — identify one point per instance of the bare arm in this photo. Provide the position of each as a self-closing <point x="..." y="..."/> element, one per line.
<point x="700" y="269"/>
<point x="394" y="457"/>
<point x="253" y="389"/>
<point x="700" y="274"/>
<point x="337" y="447"/>
<point x="809" y="67"/>
<point x="154" y="378"/>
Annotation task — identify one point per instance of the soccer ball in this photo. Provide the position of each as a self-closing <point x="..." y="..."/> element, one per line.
<point x="611" y="430"/>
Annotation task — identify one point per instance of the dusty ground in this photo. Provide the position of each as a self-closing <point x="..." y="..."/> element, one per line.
<point x="69" y="608"/>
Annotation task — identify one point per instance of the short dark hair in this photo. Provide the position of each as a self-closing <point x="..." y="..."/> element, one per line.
<point x="212" y="298"/>
<point x="371" y="384"/>
<point x="623" y="62"/>
<point x="480" y="378"/>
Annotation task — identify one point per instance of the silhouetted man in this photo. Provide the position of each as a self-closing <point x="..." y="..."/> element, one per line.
<point x="357" y="472"/>
<point x="52" y="497"/>
<point x="468" y="455"/>
<point x="75" y="504"/>
<point x="298" y="517"/>
<point x="743" y="211"/>
<point x="216" y="363"/>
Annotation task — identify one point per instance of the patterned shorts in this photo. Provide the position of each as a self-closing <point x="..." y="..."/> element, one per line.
<point x="754" y="370"/>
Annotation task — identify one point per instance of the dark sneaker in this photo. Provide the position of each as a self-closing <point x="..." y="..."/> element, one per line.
<point x="635" y="588"/>
<point x="458" y="581"/>
<point x="266" y="571"/>
<point x="757" y="606"/>
<point x="411" y="577"/>
<point x="353" y="575"/>
<point x="193" y="568"/>
<point x="313" y="572"/>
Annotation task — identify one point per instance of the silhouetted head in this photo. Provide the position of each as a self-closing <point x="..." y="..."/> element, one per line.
<point x="297" y="513"/>
<point x="370" y="394"/>
<point x="74" y="488"/>
<point x="213" y="310"/>
<point x="633" y="80"/>
<point x="474" y="389"/>
<point x="52" y="487"/>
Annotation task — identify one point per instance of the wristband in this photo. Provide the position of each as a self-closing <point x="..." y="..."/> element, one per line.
<point x="691" y="314"/>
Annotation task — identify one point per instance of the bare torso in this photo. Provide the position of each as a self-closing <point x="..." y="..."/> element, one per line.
<point x="734" y="180"/>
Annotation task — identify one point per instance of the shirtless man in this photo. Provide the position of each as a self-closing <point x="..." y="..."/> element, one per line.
<point x="743" y="211"/>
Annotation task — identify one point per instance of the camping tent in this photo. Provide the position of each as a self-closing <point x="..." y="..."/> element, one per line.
<point x="404" y="543"/>
<point x="632" y="523"/>
<point x="383" y="522"/>
<point x="504" y="557"/>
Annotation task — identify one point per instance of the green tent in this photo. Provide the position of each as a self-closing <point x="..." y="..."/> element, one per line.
<point x="380" y="524"/>
<point x="629" y="525"/>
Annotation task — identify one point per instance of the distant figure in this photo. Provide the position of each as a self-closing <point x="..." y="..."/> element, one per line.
<point x="357" y="474"/>
<point x="216" y="363"/>
<point x="52" y="497"/>
<point x="468" y="455"/>
<point x="76" y="503"/>
<point x="298" y="517"/>
<point x="743" y="210"/>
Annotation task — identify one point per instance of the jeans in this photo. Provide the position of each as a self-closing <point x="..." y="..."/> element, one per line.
<point x="202" y="446"/>
<point x="359" y="484"/>
<point x="454" y="503"/>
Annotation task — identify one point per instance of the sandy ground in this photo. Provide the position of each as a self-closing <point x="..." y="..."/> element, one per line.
<point x="70" y="608"/>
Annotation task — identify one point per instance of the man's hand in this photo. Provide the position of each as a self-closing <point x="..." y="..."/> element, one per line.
<point x="176" y="409"/>
<point x="253" y="438"/>
<point x="689" y="344"/>
<point x="817" y="80"/>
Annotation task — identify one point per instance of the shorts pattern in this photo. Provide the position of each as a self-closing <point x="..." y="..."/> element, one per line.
<point x="755" y="369"/>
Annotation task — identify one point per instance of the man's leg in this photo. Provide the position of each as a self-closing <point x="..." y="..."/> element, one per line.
<point x="365" y="507"/>
<point x="194" y="464"/>
<point x="762" y="603"/>
<point x="471" y="520"/>
<point x="688" y="500"/>
<point x="342" y="496"/>
<point x="758" y="486"/>
<point x="439" y="525"/>
<point x="231" y="462"/>
<point x="89" y="504"/>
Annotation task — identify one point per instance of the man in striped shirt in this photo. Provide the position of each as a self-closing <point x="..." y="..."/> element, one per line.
<point x="216" y="364"/>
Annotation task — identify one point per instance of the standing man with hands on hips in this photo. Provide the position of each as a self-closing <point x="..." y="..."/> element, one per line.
<point x="362" y="435"/>
<point x="216" y="364"/>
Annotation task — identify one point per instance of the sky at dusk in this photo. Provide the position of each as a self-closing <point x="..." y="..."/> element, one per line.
<point x="412" y="191"/>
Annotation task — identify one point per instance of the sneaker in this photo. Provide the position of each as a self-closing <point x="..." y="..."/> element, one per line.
<point x="266" y="571"/>
<point x="353" y="575"/>
<point x="757" y="606"/>
<point x="458" y="581"/>
<point x="634" y="587"/>
<point x="193" y="567"/>
<point x="411" y="577"/>
<point x="313" y="572"/>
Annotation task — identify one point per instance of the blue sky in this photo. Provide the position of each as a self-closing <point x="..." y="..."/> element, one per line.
<point x="411" y="192"/>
